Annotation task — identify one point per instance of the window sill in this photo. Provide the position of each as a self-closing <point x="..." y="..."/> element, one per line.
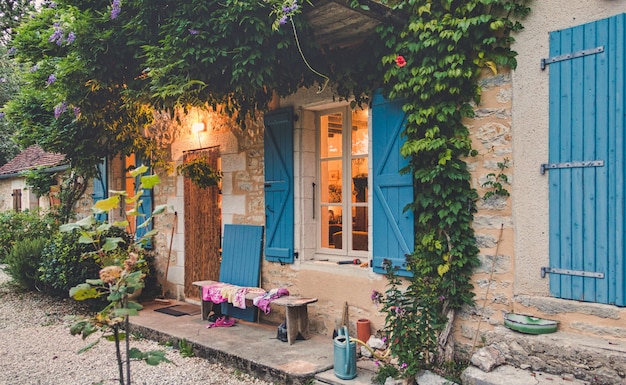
<point x="328" y="264"/>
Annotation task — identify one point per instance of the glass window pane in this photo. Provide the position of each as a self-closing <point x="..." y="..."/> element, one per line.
<point x="359" y="180"/>
<point x="359" y="226"/>
<point x="330" y="181"/>
<point x="331" y="128"/>
<point x="360" y="136"/>
<point x="331" y="226"/>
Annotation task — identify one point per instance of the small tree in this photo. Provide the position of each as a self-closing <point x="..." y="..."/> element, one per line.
<point x="117" y="281"/>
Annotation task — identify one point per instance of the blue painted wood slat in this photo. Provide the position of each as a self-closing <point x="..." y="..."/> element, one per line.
<point x="242" y="247"/>
<point x="279" y="174"/>
<point x="587" y="123"/>
<point x="101" y="187"/>
<point x="393" y="228"/>
<point x="145" y="205"/>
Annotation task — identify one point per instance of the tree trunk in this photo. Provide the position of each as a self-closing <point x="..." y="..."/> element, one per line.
<point x="445" y="341"/>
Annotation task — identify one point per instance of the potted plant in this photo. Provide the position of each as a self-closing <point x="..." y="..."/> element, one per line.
<point x="200" y="171"/>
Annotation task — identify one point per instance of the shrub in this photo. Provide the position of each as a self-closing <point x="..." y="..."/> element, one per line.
<point x="66" y="262"/>
<point x="16" y="226"/>
<point x="23" y="262"/>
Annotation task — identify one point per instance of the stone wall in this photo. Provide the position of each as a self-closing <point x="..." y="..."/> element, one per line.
<point x="490" y="131"/>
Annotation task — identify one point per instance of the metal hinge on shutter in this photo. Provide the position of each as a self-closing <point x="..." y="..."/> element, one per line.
<point x="579" y="273"/>
<point x="568" y="56"/>
<point x="589" y="163"/>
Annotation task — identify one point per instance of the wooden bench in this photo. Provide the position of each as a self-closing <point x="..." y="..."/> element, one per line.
<point x="295" y="311"/>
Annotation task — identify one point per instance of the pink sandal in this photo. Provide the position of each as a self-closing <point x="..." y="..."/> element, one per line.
<point x="222" y="322"/>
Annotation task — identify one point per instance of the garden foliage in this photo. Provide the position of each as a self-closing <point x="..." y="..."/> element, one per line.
<point x="24" y="260"/>
<point x="17" y="226"/>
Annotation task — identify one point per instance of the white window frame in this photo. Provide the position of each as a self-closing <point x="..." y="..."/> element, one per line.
<point x="346" y="186"/>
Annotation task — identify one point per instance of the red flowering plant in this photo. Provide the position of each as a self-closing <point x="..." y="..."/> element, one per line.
<point x="400" y="61"/>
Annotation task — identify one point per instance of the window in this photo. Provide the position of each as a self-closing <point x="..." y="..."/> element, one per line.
<point x="17" y="200"/>
<point x="343" y="180"/>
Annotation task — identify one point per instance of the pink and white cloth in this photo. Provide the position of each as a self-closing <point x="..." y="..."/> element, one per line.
<point x="263" y="301"/>
<point x="219" y="292"/>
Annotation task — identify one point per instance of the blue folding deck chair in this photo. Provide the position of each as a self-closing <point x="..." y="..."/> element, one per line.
<point x="242" y="248"/>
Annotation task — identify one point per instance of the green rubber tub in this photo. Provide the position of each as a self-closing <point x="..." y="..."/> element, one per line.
<point x="529" y="324"/>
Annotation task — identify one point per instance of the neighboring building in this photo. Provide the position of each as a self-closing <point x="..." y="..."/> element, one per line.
<point x="14" y="194"/>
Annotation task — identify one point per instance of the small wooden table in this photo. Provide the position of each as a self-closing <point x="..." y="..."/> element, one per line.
<point x="297" y="316"/>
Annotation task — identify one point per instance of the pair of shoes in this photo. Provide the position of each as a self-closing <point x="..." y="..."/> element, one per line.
<point x="221" y="322"/>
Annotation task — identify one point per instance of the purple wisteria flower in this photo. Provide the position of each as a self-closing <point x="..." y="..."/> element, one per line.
<point x="193" y="31"/>
<point x="34" y="68"/>
<point x="51" y="79"/>
<point x="1" y="115"/>
<point x="287" y="10"/>
<point x="12" y="50"/>
<point x="57" y="35"/>
<point x="59" y="109"/>
<point x="116" y="8"/>
<point x="70" y="38"/>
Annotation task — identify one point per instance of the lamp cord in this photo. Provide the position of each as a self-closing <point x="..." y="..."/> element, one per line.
<point x="295" y="34"/>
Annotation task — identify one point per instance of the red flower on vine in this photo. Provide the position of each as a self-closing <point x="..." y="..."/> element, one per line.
<point x="400" y="62"/>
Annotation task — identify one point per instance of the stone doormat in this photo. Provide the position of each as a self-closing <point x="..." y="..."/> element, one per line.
<point x="178" y="310"/>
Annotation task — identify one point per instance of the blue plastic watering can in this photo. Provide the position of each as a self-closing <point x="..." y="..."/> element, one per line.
<point x="344" y="355"/>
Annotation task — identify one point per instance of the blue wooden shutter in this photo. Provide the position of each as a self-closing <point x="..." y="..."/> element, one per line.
<point x="587" y="124"/>
<point x="279" y="221"/>
<point x="101" y="187"/>
<point x="146" y="205"/>
<point x="241" y="263"/>
<point x="393" y="232"/>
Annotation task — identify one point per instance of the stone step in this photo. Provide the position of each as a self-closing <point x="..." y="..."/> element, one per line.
<point x="510" y="375"/>
<point x="365" y="370"/>
<point x="601" y="361"/>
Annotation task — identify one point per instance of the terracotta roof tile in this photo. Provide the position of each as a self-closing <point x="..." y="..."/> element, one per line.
<point x="32" y="157"/>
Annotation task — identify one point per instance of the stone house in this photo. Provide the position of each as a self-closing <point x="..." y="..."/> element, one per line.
<point x="317" y="174"/>
<point x="14" y="194"/>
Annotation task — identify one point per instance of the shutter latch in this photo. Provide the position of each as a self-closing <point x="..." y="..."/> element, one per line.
<point x="568" y="56"/>
<point x="589" y="163"/>
<point x="579" y="273"/>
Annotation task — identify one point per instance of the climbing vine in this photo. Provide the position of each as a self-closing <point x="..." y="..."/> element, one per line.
<point x="433" y="64"/>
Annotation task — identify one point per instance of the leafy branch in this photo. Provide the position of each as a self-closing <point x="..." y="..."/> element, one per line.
<point x="495" y="182"/>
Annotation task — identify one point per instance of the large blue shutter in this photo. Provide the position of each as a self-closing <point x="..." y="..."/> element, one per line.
<point x="279" y="221"/>
<point x="146" y="205"/>
<point x="393" y="227"/>
<point x="241" y="264"/>
<point x="101" y="187"/>
<point x="587" y="124"/>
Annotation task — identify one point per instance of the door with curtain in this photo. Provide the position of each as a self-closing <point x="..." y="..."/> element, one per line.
<point x="202" y="226"/>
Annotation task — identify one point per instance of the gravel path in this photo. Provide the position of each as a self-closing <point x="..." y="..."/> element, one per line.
<point x="36" y="348"/>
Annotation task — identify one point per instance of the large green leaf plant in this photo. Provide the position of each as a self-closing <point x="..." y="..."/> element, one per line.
<point x="120" y="279"/>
